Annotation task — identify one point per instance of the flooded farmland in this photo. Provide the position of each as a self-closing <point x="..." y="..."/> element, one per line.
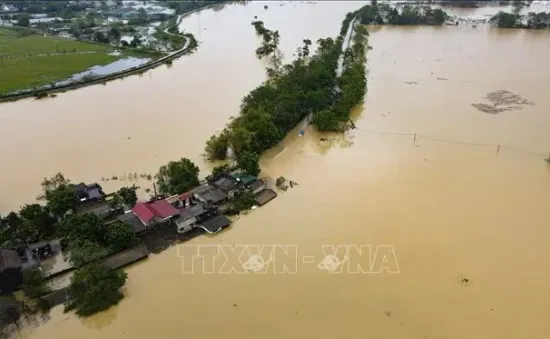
<point x="423" y="172"/>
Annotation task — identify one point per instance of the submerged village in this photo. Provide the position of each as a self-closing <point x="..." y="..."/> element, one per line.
<point x="79" y="236"/>
<point x="146" y="226"/>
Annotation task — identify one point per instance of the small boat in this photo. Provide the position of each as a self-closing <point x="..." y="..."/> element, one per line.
<point x="301" y="133"/>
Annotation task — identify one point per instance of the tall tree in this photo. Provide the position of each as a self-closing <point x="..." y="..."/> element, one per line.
<point x="128" y="195"/>
<point x="119" y="236"/>
<point x="177" y="176"/>
<point x="83" y="227"/>
<point x="95" y="288"/>
<point x="82" y="251"/>
<point x="59" y="194"/>
<point x="23" y="20"/>
<point x="114" y="35"/>
<point x="41" y="222"/>
<point x="249" y="162"/>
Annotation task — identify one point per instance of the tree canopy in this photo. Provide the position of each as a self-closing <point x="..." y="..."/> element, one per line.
<point x="249" y="163"/>
<point x="33" y="223"/>
<point x="177" y="176"/>
<point x="383" y="13"/>
<point x="271" y="110"/>
<point x="59" y="194"/>
<point x="95" y="288"/>
<point x="83" y="251"/>
<point x="515" y="20"/>
<point x="128" y="195"/>
<point x="89" y="237"/>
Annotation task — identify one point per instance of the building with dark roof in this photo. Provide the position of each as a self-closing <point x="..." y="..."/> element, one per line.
<point x="190" y="216"/>
<point x="10" y="271"/>
<point x="257" y="186"/>
<point x="87" y="193"/>
<point x="265" y="196"/>
<point x="227" y="183"/>
<point x="209" y="194"/>
<point x="215" y="225"/>
<point x="130" y="219"/>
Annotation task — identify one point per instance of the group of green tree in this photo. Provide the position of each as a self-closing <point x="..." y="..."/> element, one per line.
<point x="270" y="41"/>
<point x="87" y="237"/>
<point x="383" y="13"/>
<point x="515" y="20"/>
<point x="270" y="111"/>
<point x="307" y="85"/>
<point x="182" y="7"/>
<point x="352" y="85"/>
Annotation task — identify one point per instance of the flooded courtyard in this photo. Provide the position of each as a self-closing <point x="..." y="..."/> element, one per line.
<point x="461" y="195"/>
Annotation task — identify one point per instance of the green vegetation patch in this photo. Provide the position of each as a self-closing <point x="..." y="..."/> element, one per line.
<point x="14" y="42"/>
<point x="29" y="72"/>
<point x="28" y="61"/>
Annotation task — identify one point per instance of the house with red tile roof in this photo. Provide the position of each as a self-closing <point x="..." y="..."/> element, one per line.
<point x="154" y="212"/>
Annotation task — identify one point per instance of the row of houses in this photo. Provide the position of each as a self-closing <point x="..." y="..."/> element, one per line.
<point x="198" y="209"/>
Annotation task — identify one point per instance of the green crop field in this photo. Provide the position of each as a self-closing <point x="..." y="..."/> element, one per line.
<point x="14" y="43"/>
<point x="28" y="61"/>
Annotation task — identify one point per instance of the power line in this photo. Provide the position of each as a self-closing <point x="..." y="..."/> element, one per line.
<point x="416" y="136"/>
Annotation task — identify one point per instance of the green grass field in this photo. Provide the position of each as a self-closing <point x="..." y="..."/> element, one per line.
<point x="34" y="60"/>
<point x="12" y="43"/>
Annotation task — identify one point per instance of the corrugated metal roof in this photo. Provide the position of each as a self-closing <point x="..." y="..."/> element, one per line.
<point x="144" y="213"/>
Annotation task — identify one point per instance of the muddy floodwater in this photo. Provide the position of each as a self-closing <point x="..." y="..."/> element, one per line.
<point x="468" y="223"/>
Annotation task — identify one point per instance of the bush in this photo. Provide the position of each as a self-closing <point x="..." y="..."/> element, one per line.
<point x="244" y="201"/>
<point x="34" y="283"/>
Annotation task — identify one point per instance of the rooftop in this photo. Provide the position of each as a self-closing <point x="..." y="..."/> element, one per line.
<point x="85" y="192"/>
<point x="9" y="259"/>
<point x="210" y="194"/>
<point x="192" y="212"/>
<point x="133" y="221"/>
<point x="256" y="184"/>
<point x="245" y="179"/>
<point x="225" y="182"/>
<point x="146" y="211"/>
<point x="265" y="196"/>
<point x="215" y="224"/>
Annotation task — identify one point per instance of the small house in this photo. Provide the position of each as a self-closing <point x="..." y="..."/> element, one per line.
<point x="190" y="216"/>
<point x="227" y="183"/>
<point x="183" y="200"/>
<point x="257" y="186"/>
<point x="130" y="219"/>
<point x="209" y="195"/>
<point x="154" y="212"/>
<point x="265" y="196"/>
<point x="88" y="193"/>
<point x="215" y="225"/>
<point x="10" y="271"/>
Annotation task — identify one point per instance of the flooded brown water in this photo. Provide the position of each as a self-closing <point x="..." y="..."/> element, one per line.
<point x="450" y="211"/>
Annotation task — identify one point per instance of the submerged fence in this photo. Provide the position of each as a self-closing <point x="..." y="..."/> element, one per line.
<point x="417" y="136"/>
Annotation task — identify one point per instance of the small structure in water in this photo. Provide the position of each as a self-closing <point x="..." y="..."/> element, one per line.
<point x="265" y="196"/>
